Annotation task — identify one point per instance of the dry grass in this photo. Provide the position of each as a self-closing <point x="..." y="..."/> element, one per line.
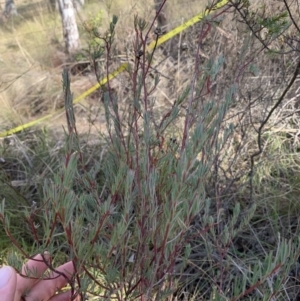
<point x="38" y="91"/>
<point x="32" y="56"/>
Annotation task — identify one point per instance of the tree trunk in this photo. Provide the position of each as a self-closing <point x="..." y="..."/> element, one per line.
<point x="70" y="29"/>
<point x="52" y="5"/>
<point x="162" y="18"/>
<point x="163" y="26"/>
<point x="10" y="8"/>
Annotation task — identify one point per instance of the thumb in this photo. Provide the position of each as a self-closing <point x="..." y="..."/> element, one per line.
<point x="8" y="283"/>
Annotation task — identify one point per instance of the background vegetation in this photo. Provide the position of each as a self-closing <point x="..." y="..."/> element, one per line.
<point x="179" y="179"/>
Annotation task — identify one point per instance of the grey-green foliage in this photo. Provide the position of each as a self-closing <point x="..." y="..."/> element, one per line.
<point x="157" y="191"/>
<point x="126" y="242"/>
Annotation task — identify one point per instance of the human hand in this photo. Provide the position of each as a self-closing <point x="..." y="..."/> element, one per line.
<point x="14" y="287"/>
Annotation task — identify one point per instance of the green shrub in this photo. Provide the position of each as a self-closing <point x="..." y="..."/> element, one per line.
<point x="166" y="207"/>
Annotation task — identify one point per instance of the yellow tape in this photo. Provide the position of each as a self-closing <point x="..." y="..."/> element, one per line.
<point x="76" y="100"/>
<point x="122" y="68"/>
<point x="25" y="126"/>
<point x="185" y="25"/>
<point x="101" y="83"/>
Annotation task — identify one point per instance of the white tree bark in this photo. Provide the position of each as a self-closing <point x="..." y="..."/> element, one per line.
<point x="53" y="4"/>
<point x="70" y="29"/>
<point x="10" y="8"/>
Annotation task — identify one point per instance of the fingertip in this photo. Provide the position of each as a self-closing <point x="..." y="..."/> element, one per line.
<point x="8" y="283"/>
<point x="47" y="256"/>
<point x="6" y="274"/>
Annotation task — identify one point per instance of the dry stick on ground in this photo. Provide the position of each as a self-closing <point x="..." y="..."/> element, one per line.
<point x="259" y="142"/>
